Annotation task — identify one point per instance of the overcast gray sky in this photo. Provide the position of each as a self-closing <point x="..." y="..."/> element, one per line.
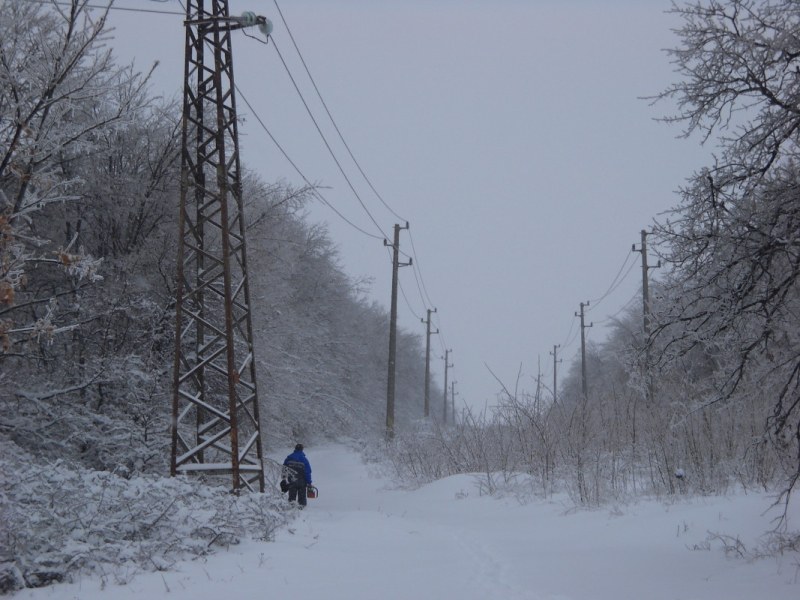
<point x="510" y="134"/>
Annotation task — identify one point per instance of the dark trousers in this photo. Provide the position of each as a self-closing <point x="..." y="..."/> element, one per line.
<point x="297" y="492"/>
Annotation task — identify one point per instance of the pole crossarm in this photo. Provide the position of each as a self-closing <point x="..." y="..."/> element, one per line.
<point x="215" y="403"/>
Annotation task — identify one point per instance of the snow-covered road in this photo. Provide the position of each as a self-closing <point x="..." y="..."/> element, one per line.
<point x="361" y="540"/>
<point x="369" y="542"/>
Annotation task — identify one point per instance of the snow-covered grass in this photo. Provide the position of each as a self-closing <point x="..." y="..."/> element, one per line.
<point x="362" y="540"/>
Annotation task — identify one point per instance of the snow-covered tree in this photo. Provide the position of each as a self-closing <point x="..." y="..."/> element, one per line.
<point x="733" y="243"/>
<point x="85" y="161"/>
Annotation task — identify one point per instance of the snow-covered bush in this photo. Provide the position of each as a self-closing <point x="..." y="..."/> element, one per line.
<point x="60" y="521"/>
<point x="476" y="445"/>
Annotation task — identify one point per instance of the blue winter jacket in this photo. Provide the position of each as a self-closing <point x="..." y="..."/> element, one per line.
<point x="300" y="457"/>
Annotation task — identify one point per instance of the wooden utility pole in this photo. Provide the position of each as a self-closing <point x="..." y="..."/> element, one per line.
<point x="396" y="264"/>
<point x="584" y="384"/>
<point x="645" y="286"/>
<point x="447" y="365"/>
<point x="556" y="360"/>
<point x="215" y="410"/>
<point x="428" y="333"/>
<point x="646" y="311"/>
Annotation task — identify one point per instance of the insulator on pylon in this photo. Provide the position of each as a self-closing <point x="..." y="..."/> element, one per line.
<point x="249" y="19"/>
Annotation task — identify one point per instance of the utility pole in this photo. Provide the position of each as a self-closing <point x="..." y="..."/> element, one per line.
<point x="646" y="309"/>
<point x="215" y="425"/>
<point x="396" y="264"/>
<point x="556" y="360"/>
<point x="584" y="385"/>
<point x="645" y="285"/>
<point x="428" y="333"/>
<point x="447" y="365"/>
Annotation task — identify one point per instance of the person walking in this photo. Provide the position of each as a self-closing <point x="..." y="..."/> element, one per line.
<point x="297" y="471"/>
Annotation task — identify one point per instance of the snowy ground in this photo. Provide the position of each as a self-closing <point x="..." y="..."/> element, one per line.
<point x="362" y="541"/>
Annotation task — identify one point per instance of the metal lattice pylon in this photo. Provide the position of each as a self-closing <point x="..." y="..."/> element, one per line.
<point x="215" y="417"/>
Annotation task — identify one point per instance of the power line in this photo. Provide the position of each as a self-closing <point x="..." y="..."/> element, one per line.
<point x="423" y="292"/>
<point x="570" y="337"/>
<point x="441" y="336"/>
<point x="314" y="189"/>
<point x="417" y="272"/>
<point x="624" y="307"/>
<point x="616" y="282"/>
<point x="422" y="280"/>
<point x="405" y="297"/>
<point x="419" y="287"/>
<point x="325" y="141"/>
<point x="330" y="116"/>
<point x="111" y="7"/>
<point x="408" y="304"/>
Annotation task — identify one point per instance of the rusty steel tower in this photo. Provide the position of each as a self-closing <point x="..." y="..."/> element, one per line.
<point x="215" y="414"/>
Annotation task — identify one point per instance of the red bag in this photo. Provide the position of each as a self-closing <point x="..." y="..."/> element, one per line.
<point x="312" y="492"/>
